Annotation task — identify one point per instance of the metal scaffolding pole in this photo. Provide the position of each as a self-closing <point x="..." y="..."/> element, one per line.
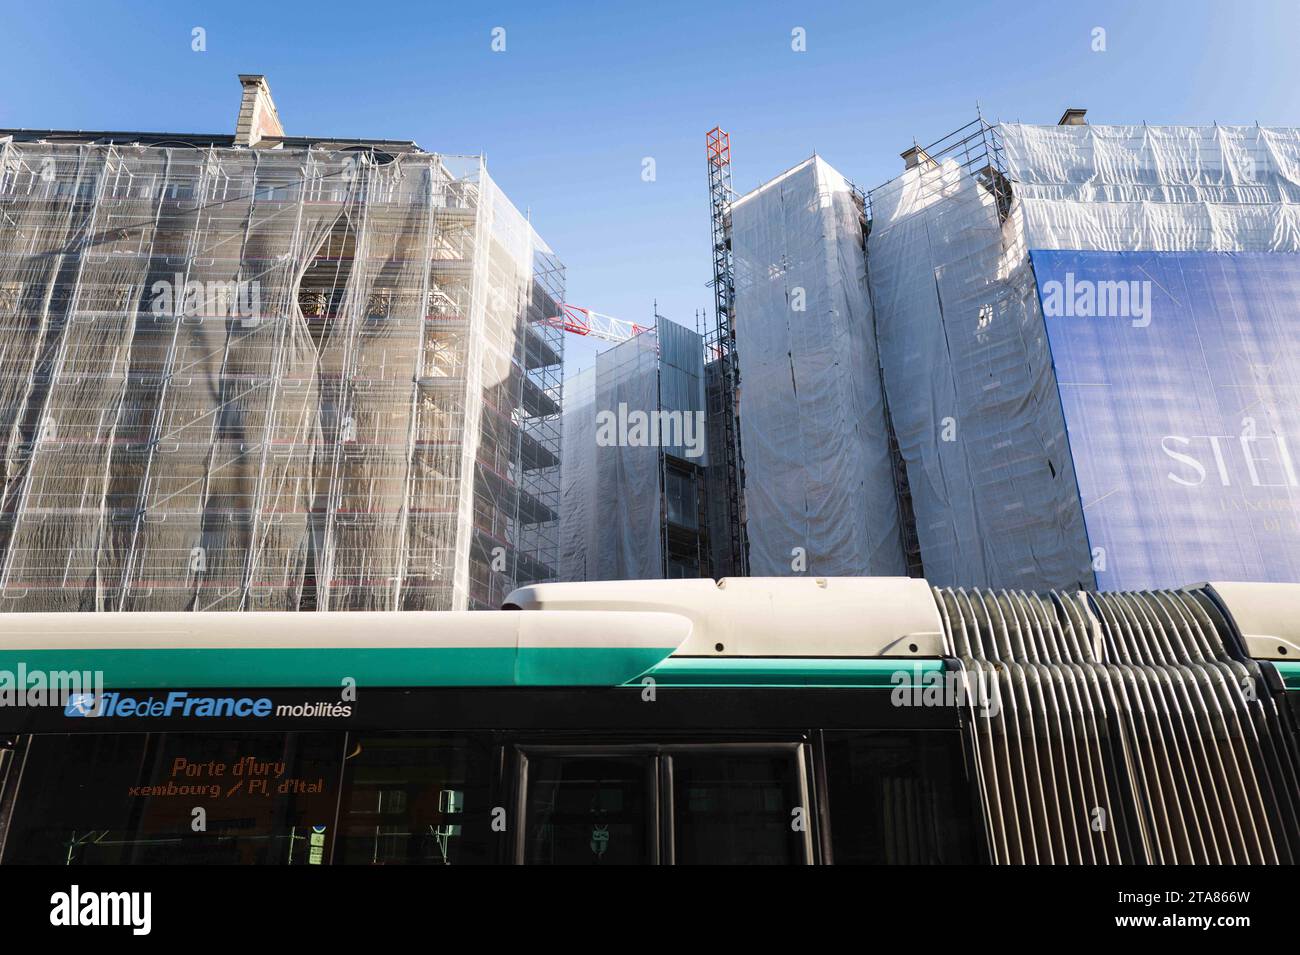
<point x="721" y="348"/>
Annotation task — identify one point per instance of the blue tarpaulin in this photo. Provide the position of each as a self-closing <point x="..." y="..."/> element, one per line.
<point x="1179" y="376"/>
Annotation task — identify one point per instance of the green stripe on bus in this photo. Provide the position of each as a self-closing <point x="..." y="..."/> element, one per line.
<point x="791" y="671"/>
<point x="319" y="667"/>
<point x="1290" y="673"/>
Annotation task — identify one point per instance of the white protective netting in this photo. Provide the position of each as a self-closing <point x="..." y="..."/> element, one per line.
<point x="818" y="478"/>
<point x="963" y="344"/>
<point x="1156" y="188"/>
<point x="579" y="519"/>
<point x="1209" y="216"/>
<point x="338" y="429"/>
<point x="610" y="500"/>
<point x="971" y="391"/>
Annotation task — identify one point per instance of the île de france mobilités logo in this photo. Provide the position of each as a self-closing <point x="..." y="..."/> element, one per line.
<point x="187" y="705"/>
<point x="82" y="704"/>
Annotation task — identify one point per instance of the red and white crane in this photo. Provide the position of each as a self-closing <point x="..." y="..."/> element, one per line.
<point x="577" y="320"/>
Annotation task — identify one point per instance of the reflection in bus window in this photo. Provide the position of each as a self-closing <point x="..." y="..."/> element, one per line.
<point x="737" y="809"/>
<point x="898" y="798"/>
<point x="585" y="810"/>
<point x="416" y="799"/>
<point x="171" y="798"/>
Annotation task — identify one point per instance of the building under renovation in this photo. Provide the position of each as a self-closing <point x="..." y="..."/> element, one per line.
<point x="1068" y="359"/>
<point x="266" y="372"/>
<point x="1089" y="342"/>
<point x="820" y="495"/>
<point x="633" y="500"/>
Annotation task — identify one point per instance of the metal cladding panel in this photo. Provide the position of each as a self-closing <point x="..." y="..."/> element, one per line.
<point x="1179" y="376"/>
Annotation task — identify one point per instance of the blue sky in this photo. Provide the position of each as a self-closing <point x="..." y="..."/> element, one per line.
<point x="583" y="93"/>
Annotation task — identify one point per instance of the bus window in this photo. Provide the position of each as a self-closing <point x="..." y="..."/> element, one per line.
<point x="590" y="810"/>
<point x="897" y="798"/>
<point x="176" y="798"/>
<point x="736" y="808"/>
<point x="416" y="799"/>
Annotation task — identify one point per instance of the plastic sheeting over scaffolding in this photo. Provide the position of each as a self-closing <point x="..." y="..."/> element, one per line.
<point x="1204" y="374"/>
<point x="254" y="379"/>
<point x="970" y="385"/>
<point x="819" y="486"/>
<point x="1156" y="188"/>
<point x="643" y="399"/>
<point x="968" y="358"/>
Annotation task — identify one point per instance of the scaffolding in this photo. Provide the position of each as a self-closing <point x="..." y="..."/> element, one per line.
<point x="1035" y="444"/>
<point x="722" y="374"/>
<point x="968" y="372"/>
<point x="271" y="379"/>
<point x="820" y="494"/>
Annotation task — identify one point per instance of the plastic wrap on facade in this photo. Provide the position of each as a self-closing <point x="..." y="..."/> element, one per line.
<point x="819" y="490"/>
<point x="254" y="379"/>
<point x="1214" y="370"/>
<point x="1179" y="376"/>
<point x="642" y="400"/>
<point x="579" y="518"/>
<point x="681" y="389"/>
<point x="1157" y="188"/>
<point x="971" y="392"/>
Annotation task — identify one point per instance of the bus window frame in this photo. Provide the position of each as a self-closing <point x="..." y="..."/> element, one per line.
<point x="659" y="784"/>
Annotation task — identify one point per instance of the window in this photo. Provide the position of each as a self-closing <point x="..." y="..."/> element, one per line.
<point x="736" y="804"/>
<point x="679" y="491"/>
<point x="682" y="568"/>
<point x="176" y="798"/>
<point x="11" y="294"/>
<point x="416" y="799"/>
<point x="590" y="810"/>
<point x="735" y="808"/>
<point x="898" y="798"/>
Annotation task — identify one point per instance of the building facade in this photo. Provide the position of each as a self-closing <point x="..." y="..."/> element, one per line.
<point x="821" y="494"/>
<point x="1063" y="358"/>
<point x="261" y="372"/>
<point x="636" y="451"/>
<point x="1089" y="340"/>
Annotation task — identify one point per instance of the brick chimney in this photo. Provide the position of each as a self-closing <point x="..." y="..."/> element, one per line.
<point x="1072" y="117"/>
<point x="916" y="156"/>
<point x="257" y="115"/>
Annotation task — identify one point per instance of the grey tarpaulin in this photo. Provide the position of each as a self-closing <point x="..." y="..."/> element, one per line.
<point x="970" y="385"/>
<point x="818" y="477"/>
<point x="611" y="505"/>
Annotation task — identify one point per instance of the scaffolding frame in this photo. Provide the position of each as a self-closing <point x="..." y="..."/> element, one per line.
<point x="723" y="384"/>
<point x="976" y="148"/>
<point x="379" y="432"/>
<point x="902" y="489"/>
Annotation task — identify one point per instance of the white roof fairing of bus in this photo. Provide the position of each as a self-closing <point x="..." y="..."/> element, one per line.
<point x="1267" y="616"/>
<point x="770" y="616"/>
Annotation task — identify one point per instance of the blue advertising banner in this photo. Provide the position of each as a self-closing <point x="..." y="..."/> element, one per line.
<point x="1179" y="376"/>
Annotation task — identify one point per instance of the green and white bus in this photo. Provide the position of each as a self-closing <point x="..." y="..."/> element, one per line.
<point x="746" y="721"/>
